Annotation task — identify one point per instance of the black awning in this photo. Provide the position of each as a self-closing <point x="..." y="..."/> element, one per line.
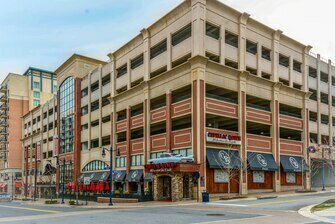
<point x="223" y="158"/>
<point x="134" y="176"/>
<point x="49" y="169"/>
<point x="293" y="164"/>
<point x="261" y="161"/>
<point x="148" y="177"/>
<point x="99" y="176"/>
<point x="104" y="176"/>
<point x="119" y="175"/>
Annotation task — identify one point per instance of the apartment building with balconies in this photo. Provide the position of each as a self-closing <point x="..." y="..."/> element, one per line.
<point x="19" y="94"/>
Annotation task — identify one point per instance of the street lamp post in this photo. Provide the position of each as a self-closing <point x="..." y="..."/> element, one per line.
<point x="323" y="170"/>
<point x="63" y="179"/>
<point x="103" y="153"/>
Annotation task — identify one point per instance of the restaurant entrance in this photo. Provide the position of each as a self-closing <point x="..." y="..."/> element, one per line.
<point x="166" y="187"/>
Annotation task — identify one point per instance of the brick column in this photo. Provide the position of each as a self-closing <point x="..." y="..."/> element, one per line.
<point x="77" y="129"/>
<point x="168" y="120"/>
<point x="198" y="70"/>
<point x="128" y="144"/>
<point x="242" y="131"/>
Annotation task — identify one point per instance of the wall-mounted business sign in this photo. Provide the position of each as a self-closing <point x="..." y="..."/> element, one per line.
<point x="223" y="138"/>
<point x="161" y="167"/>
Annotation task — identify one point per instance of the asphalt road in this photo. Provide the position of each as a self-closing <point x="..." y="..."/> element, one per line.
<point x="276" y="210"/>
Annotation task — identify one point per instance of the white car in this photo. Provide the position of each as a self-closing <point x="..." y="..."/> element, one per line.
<point x="174" y="158"/>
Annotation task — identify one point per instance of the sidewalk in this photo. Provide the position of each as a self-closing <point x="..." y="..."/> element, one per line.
<point x="327" y="215"/>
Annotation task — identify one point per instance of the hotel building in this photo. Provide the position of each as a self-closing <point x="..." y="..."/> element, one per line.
<point x="19" y="94"/>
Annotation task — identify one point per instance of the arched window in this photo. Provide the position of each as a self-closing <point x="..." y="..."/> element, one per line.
<point x="66" y="115"/>
<point x="95" y="165"/>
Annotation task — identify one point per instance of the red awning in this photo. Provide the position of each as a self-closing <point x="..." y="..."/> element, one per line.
<point x="3" y="185"/>
<point x="18" y="184"/>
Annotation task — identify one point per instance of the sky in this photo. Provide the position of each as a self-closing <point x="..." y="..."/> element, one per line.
<point x="44" y="34"/>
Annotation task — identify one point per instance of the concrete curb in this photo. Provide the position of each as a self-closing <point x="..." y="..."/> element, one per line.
<point x="306" y="211"/>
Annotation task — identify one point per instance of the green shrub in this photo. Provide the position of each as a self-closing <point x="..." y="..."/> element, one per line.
<point x="72" y="202"/>
<point x="51" y="202"/>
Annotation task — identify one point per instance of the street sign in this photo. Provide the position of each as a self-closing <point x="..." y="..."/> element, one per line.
<point x="87" y="180"/>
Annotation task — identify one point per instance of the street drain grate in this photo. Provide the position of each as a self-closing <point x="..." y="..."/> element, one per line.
<point x="215" y="214"/>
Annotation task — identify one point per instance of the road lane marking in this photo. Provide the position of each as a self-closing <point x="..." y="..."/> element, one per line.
<point x="285" y="201"/>
<point x="30" y="209"/>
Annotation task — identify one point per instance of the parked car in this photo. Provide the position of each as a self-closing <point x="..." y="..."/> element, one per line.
<point x="171" y="157"/>
<point x="5" y="197"/>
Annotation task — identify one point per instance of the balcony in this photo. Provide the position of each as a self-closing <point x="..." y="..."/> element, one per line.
<point x="136" y="121"/>
<point x="158" y="114"/>
<point x="222" y="108"/>
<point x="290" y="122"/>
<point x="290" y="146"/>
<point x="158" y="142"/>
<point x="181" y="108"/>
<point x="259" y="143"/>
<point x="3" y="114"/>
<point x="3" y="89"/>
<point x="258" y="115"/>
<point x="182" y="138"/>
<point x="121" y="126"/>
<point x="137" y="145"/>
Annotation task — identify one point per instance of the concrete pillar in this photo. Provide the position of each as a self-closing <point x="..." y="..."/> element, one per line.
<point x="330" y="106"/>
<point x="275" y="134"/>
<point x="242" y="40"/>
<point x="275" y="55"/>
<point x="198" y="27"/>
<point x="222" y="44"/>
<point x="259" y="60"/>
<point x="168" y="120"/>
<point x="290" y="71"/>
<point x="305" y="140"/>
<point x="242" y="130"/>
<point x="146" y="54"/>
<point x="318" y="87"/>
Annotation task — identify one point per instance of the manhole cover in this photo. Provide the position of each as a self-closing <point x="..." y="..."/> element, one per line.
<point x="215" y="214"/>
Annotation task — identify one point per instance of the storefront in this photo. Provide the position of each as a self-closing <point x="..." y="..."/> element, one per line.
<point x="135" y="180"/>
<point x="261" y="168"/>
<point x="119" y="180"/>
<point x="223" y="169"/>
<point x="173" y="181"/>
<point x="292" y="168"/>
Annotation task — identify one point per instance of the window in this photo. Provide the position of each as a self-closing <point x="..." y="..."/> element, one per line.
<point x="297" y="86"/>
<point x="45" y="115"/>
<point x="158" y="72"/>
<point x="156" y="129"/>
<point x="290" y="178"/>
<point x="252" y="71"/>
<point x="324" y="77"/>
<point x="313" y="138"/>
<point x="183" y="152"/>
<point x="284" y="81"/>
<point x="314" y="94"/>
<point x="221" y="176"/>
<point x="136" y="134"/>
<point x="213" y="57"/>
<point x="181" y="123"/>
<point x="105" y="101"/>
<point x="313" y="116"/>
<point x="158" y="49"/>
<point x="333" y="101"/>
<point x="106" y="79"/>
<point x="94" y="105"/>
<point x="212" y="31"/>
<point x="137" y="110"/>
<point x="84" y="146"/>
<point x="66" y="114"/>
<point x="45" y="128"/>
<point x="36" y="85"/>
<point x="121" y="137"/>
<point x="158" y="102"/>
<point x="50" y="112"/>
<point x="325" y="139"/>
<point x="231" y="64"/>
<point x="181" y="60"/>
<point x="36" y="94"/>
<point x="136" y="62"/>
<point x="266" y="53"/>
<point x="95" y="165"/>
<point x="258" y="177"/>
<point x="84" y="92"/>
<point x="84" y="127"/>
<point x="284" y="61"/>
<point x="106" y="119"/>
<point x="136" y="82"/>
<point x="95" y="86"/>
<point x="94" y="143"/>
<point x="266" y="75"/>
<point x="51" y="126"/>
<point x="231" y="39"/>
<point x="296" y="66"/>
<point x="36" y="103"/>
<point x="84" y="110"/>
<point x="312" y="72"/>
<point x="324" y="98"/>
<point x="333" y="123"/>
<point x="121" y="71"/>
<point x="324" y="119"/>
<point x="94" y="123"/>
<point x="251" y="47"/>
<point x="181" y="35"/>
<point x="105" y="140"/>
<point x="333" y="80"/>
<point x="155" y="155"/>
<point x="181" y="94"/>
<point x="121" y="115"/>
<point x="120" y="161"/>
<point x="137" y="160"/>
<point x="121" y="90"/>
